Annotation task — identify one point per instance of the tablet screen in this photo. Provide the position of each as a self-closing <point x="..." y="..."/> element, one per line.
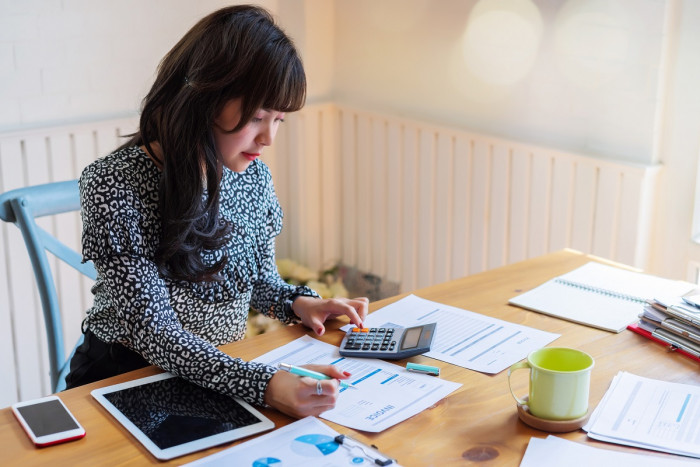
<point x="173" y="417"/>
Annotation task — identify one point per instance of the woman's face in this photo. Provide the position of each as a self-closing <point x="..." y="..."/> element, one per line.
<point x="238" y="149"/>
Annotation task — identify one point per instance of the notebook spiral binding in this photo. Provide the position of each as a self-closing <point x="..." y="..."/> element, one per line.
<point x="601" y="291"/>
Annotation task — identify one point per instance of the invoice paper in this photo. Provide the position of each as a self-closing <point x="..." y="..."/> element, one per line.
<point x="650" y="414"/>
<point x="386" y="394"/>
<point x="462" y="337"/>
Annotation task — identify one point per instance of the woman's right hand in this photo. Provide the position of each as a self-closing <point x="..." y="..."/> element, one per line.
<point x="297" y="396"/>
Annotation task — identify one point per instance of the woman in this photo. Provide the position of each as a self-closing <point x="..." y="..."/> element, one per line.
<point x="180" y="222"/>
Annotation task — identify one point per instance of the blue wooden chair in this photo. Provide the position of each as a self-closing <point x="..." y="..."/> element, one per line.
<point x="21" y="207"/>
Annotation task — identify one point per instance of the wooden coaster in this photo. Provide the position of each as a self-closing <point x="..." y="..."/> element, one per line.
<point x="552" y="426"/>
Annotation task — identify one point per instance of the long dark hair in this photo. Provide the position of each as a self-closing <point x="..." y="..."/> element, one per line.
<point x="235" y="52"/>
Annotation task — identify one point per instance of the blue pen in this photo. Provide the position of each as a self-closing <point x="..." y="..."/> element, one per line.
<point x="297" y="370"/>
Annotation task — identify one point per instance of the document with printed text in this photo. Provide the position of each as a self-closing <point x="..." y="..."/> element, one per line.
<point x="462" y="337"/>
<point x="303" y="443"/>
<point x="386" y="393"/>
<point x="649" y="414"/>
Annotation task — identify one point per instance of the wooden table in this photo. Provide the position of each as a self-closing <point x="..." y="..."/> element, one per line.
<point x="476" y="425"/>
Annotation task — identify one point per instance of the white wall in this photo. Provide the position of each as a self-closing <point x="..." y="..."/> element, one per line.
<point x="76" y="60"/>
<point x="617" y="79"/>
<point x="673" y="248"/>
<point x="576" y="74"/>
<point x="589" y="76"/>
<point x="311" y="25"/>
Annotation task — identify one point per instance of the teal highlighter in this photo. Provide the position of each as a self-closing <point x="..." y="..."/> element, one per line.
<point x="425" y="369"/>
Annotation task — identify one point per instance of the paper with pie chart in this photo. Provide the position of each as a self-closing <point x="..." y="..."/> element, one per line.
<point x="305" y="442"/>
<point x="386" y="393"/>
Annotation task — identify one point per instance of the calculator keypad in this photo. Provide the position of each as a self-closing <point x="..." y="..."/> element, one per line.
<point x="371" y="339"/>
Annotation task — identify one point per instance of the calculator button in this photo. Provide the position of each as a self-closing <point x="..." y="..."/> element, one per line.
<point x="384" y="347"/>
<point x="365" y="347"/>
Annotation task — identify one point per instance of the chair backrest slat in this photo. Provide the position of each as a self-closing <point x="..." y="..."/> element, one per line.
<point x="66" y="254"/>
<point x="21" y="207"/>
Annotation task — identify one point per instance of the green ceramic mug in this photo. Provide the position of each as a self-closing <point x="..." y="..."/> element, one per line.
<point x="560" y="379"/>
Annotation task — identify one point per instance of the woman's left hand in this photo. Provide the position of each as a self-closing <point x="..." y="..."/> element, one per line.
<point x="315" y="311"/>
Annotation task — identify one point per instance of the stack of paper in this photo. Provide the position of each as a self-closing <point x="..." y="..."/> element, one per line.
<point x="649" y="414"/>
<point x="673" y="322"/>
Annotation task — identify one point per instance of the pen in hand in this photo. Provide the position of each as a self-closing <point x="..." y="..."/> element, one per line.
<point x="297" y="370"/>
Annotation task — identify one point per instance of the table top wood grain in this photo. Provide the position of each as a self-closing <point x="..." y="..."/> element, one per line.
<point x="476" y="425"/>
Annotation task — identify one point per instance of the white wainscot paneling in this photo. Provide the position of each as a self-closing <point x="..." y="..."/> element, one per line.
<point x="421" y="204"/>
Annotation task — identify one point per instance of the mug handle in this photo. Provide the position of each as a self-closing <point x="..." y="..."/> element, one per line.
<point x="518" y="366"/>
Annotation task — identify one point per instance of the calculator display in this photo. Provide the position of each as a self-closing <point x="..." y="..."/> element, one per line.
<point x="410" y="338"/>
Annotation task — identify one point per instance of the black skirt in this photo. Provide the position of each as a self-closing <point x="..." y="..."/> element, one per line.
<point x="95" y="360"/>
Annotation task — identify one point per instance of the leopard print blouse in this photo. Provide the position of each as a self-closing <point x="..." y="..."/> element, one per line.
<point x="174" y="324"/>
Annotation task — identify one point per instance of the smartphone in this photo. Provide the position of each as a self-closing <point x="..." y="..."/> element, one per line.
<point x="47" y="421"/>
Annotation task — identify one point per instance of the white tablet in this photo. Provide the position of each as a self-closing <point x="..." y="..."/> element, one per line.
<point x="172" y="417"/>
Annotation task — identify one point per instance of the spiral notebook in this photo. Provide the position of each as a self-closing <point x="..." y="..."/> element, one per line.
<point x="599" y="295"/>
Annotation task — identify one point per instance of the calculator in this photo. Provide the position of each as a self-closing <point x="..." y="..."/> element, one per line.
<point x="391" y="343"/>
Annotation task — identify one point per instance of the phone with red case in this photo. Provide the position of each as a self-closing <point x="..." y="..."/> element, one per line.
<point x="47" y="421"/>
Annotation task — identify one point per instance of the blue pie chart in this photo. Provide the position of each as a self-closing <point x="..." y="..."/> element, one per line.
<point x="314" y="445"/>
<point x="267" y="462"/>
